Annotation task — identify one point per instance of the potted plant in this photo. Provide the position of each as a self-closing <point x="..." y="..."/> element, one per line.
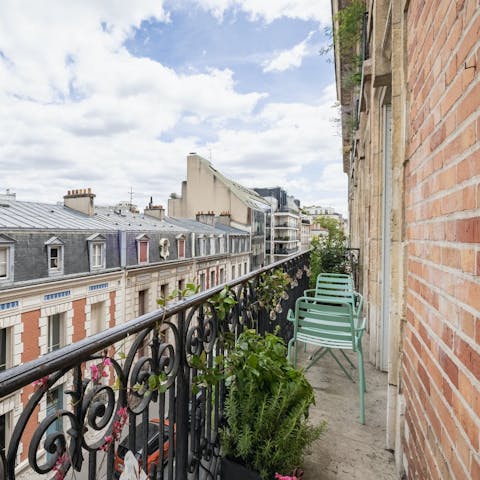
<point x="266" y="410"/>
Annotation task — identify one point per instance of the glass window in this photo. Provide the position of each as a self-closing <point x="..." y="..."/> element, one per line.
<point x="97" y="255"/>
<point x="55" y="332"/>
<point x="212" y="279"/>
<point x="3" y="262"/>
<point x="3" y="349"/>
<point x="97" y="317"/>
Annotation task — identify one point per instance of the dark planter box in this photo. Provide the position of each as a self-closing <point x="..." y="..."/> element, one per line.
<point x="235" y="471"/>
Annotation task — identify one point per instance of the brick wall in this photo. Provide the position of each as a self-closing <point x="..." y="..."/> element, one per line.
<point x="31" y="351"/>
<point x="441" y="360"/>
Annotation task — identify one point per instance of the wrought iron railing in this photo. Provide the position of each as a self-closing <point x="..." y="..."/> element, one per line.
<point x="106" y="378"/>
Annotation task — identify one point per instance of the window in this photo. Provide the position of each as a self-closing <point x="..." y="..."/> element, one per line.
<point x="143" y="244"/>
<point x="164" y="291"/>
<point x="233" y="272"/>
<point x="202" y="246"/>
<point x="212" y="245"/>
<point x="54" y="256"/>
<point x="5" y="432"/>
<point x="212" y="278"/>
<point x="222" y="244"/>
<point x="181" y="287"/>
<point x="4" y="349"/>
<point x="97" y="317"/>
<point x="3" y="262"/>
<point x="97" y="247"/>
<point x="6" y="258"/>
<point x="245" y="268"/>
<point x="142" y="302"/>
<point x="54" y="404"/>
<point x="181" y="246"/>
<point x="55" y="332"/>
<point x="201" y="281"/>
<point x="222" y="275"/>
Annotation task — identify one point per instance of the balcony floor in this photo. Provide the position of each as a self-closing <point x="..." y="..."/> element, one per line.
<point x="347" y="449"/>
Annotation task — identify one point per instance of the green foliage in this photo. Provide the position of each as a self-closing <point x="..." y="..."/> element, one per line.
<point x="267" y="407"/>
<point x="223" y="302"/>
<point x="328" y="254"/>
<point x="349" y="26"/>
<point x="271" y="289"/>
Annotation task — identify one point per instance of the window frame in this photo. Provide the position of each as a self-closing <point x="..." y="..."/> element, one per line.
<point x="51" y="347"/>
<point x="95" y="242"/>
<point x="143" y="240"/>
<point x="181" y="245"/>
<point x="8" y="245"/>
<point x="5" y="348"/>
<point x="51" y="244"/>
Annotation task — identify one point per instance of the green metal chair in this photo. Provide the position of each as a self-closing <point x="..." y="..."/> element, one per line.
<point x="337" y="286"/>
<point x="331" y="325"/>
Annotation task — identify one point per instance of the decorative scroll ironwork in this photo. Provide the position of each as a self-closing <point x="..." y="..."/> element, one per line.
<point x="135" y="377"/>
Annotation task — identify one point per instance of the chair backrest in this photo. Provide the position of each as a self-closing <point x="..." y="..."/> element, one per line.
<point x="335" y="287"/>
<point x="327" y="319"/>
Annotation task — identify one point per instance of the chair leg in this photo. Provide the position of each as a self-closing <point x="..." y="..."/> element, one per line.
<point x="347" y="359"/>
<point x="316" y="356"/>
<point x="361" y="375"/>
<point x="341" y="366"/>
<point x="289" y="350"/>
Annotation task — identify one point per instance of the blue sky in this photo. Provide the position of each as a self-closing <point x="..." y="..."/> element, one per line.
<point x="113" y="95"/>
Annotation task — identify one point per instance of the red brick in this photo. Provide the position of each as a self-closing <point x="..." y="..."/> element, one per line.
<point x="469" y="103"/>
<point x="449" y="367"/>
<point x="78" y="321"/>
<point x="112" y="310"/>
<point x="468" y="230"/>
<point x="31" y="351"/>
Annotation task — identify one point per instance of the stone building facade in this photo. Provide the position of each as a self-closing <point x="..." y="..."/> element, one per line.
<point x="70" y="271"/>
<point x="413" y="162"/>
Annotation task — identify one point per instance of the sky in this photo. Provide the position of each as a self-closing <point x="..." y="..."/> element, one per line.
<point x="113" y="95"/>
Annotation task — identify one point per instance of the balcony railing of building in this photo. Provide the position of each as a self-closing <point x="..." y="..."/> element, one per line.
<point x="108" y="379"/>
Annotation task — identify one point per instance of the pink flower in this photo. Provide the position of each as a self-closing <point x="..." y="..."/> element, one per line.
<point x="104" y="373"/>
<point x="284" y="477"/>
<point x="94" y="371"/>
<point x="41" y="382"/>
<point x="107" y="362"/>
<point x="122" y="412"/>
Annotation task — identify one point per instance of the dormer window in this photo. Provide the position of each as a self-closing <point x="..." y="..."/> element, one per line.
<point x="143" y="248"/>
<point x="181" y="246"/>
<point x="212" y="245"/>
<point x="55" y="248"/>
<point x="6" y="258"/>
<point x="96" y="250"/>
<point x="202" y="246"/>
<point x="222" y="245"/>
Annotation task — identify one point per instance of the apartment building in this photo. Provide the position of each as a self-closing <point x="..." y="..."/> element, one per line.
<point x="207" y="191"/>
<point x="68" y="271"/>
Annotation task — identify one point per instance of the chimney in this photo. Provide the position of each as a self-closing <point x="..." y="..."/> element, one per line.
<point x="224" y="218"/>
<point x="81" y="201"/>
<point x="206" y="218"/>
<point x="156" y="211"/>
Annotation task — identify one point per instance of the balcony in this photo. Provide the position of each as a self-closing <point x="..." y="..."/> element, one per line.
<point x="70" y="440"/>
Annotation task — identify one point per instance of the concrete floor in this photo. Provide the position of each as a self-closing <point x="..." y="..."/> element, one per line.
<point x="347" y="449"/>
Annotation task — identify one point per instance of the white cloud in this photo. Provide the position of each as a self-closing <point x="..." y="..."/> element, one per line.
<point x="291" y="58"/>
<point x="79" y="110"/>
<point x="270" y="10"/>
